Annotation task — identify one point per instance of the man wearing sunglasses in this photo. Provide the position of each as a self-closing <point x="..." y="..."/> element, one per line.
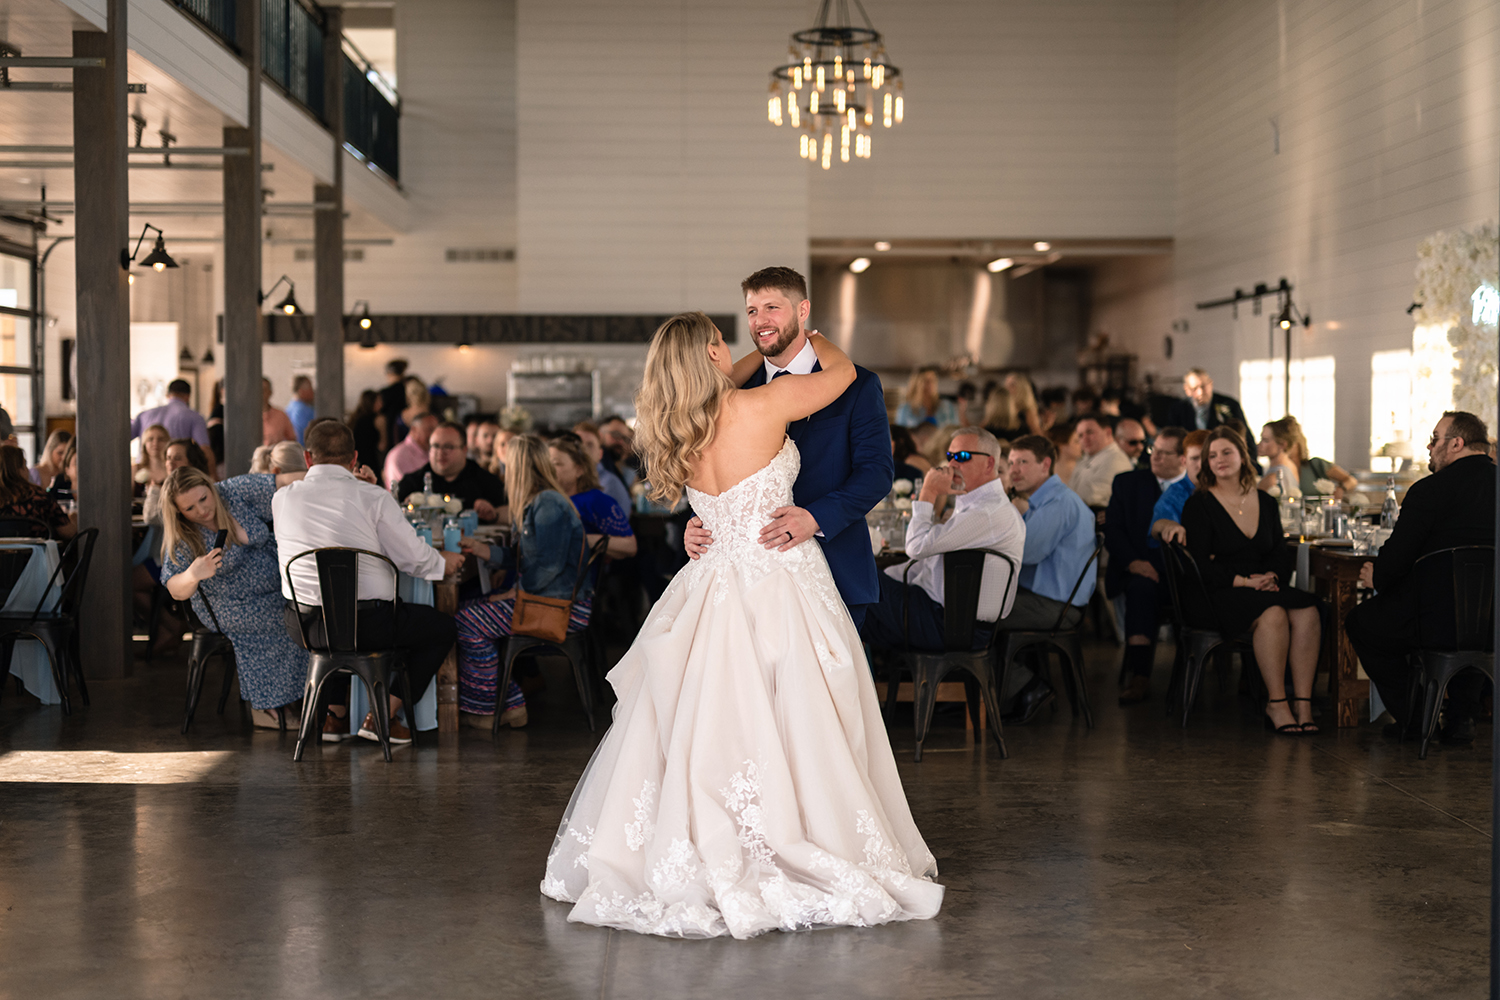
<point x="983" y="518"/>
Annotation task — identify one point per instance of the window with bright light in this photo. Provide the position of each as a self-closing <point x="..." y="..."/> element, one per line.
<point x="1263" y="396"/>
<point x="1390" y="409"/>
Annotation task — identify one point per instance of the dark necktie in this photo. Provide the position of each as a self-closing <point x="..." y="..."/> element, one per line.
<point x="779" y="374"/>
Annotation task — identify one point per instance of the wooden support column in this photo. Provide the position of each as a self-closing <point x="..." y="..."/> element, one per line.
<point x="102" y="225"/>
<point x="328" y="232"/>
<point x="243" y="400"/>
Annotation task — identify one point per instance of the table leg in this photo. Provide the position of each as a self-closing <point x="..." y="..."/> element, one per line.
<point x="1344" y="686"/>
<point x="445" y="599"/>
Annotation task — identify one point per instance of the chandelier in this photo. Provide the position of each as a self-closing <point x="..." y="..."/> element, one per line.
<point x="837" y="84"/>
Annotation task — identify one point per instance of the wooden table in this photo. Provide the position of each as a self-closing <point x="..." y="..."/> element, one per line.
<point x="1335" y="573"/>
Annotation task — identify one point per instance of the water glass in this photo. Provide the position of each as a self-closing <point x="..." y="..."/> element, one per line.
<point x="453" y="531"/>
<point x="470" y="520"/>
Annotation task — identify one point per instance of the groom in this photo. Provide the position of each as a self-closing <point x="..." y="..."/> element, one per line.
<point x="846" y="447"/>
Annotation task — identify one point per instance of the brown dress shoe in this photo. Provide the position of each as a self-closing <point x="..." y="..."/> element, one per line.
<point x="399" y="733"/>
<point x="1136" y="690"/>
<point x="336" y="728"/>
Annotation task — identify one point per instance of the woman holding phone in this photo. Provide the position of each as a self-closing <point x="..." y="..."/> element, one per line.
<point x="218" y="545"/>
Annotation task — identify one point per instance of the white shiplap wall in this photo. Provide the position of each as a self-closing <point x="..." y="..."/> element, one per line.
<point x="1389" y="130"/>
<point x="647" y="179"/>
<point x="1026" y="118"/>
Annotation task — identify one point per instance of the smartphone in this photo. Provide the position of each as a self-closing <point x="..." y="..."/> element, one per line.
<point x="221" y="538"/>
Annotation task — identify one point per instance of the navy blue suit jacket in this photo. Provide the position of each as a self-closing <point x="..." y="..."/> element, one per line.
<point x="1127" y="526"/>
<point x="846" y="470"/>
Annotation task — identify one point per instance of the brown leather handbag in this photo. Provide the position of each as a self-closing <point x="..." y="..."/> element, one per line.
<point x="545" y="617"/>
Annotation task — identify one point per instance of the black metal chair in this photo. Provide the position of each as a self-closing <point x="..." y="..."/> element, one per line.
<point x="208" y="643"/>
<point x="1066" y="640"/>
<point x="1195" y="643"/>
<point x="963" y="575"/>
<point x="56" y="630"/>
<point x="338" y="583"/>
<point x="13" y="562"/>
<point x="582" y="649"/>
<point x="1473" y="593"/>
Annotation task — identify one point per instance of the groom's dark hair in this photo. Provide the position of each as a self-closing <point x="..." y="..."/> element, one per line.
<point x="782" y="279"/>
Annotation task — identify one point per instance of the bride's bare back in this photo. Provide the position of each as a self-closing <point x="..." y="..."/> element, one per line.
<point x="752" y="423"/>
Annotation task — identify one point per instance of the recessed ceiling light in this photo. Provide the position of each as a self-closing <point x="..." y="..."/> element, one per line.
<point x="23" y="180"/>
<point x="1041" y="246"/>
<point x="996" y="266"/>
<point x="858" y="264"/>
<point x="882" y="246"/>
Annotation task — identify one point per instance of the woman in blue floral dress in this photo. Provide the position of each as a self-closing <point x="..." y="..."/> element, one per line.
<point x="242" y="581"/>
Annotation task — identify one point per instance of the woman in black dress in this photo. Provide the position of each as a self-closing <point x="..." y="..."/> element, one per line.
<point x="1234" y="533"/>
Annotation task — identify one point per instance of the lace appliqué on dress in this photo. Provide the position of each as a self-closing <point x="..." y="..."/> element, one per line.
<point x="637" y="834"/>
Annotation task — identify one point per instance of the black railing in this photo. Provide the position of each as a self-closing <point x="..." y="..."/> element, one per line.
<point x="217" y="16"/>
<point x="292" y="55"/>
<point x="292" y="51"/>
<point x="371" y="121"/>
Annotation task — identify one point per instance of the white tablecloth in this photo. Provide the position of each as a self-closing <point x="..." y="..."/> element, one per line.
<point x="413" y="592"/>
<point x="29" y="662"/>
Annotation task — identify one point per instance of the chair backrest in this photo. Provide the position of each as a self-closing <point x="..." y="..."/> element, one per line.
<point x="24" y="527"/>
<point x="1471" y="588"/>
<point x="338" y="583"/>
<point x="1062" y="613"/>
<point x="1190" y="597"/>
<point x="963" y="579"/>
<point x="81" y="549"/>
<point x="13" y="563"/>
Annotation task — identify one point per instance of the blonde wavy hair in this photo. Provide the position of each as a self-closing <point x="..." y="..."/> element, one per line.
<point x="922" y="390"/>
<point x="1288" y="433"/>
<point x="528" y="472"/>
<point x="178" y="530"/>
<point x="677" y="407"/>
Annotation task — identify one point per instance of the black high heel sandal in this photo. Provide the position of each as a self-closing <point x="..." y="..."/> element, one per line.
<point x="1302" y="726"/>
<point x="1290" y="729"/>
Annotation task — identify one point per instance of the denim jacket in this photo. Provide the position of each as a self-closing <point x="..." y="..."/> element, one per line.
<point x="550" y="539"/>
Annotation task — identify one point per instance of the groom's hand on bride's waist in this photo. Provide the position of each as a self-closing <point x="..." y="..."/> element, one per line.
<point x="696" y="538"/>
<point x="789" y="527"/>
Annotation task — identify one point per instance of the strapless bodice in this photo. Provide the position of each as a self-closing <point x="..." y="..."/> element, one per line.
<point x="743" y="509"/>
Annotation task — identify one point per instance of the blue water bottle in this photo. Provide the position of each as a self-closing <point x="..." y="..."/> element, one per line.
<point x="452" y="532"/>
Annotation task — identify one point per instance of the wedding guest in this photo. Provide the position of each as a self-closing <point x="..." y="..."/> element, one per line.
<point x="549" y="536"/>
<point x="1203" y="409"/>
<point x="454" y="473"/>
<point x="51" y="464"/>
<point x="1025" y="415"/>
<point x="392" y="402"/>
<point x="180" y="419"/>
<point x="1412" y="607"/>
<point x="1135" y="568"/>
<point x="275" y="425"/>
<point x="983" y="517"/>
<point x="997" y="414"/>
<point x="601" y="515"/>
<point x="181" y="452"/>
<point x="418" y="401"/>
<point x="1235" y="537"/>
<point x="921" y="403"/>
<point x="1085" y="403"/>
<point x="215" y="425"/>
<point x="1131" y="437"/>
<point x="1102" y="461"/>
<point x="619" y="449"/>
<point x="1166" y="516"/>
<point x="241" y="581"/>
<point x="285" y="456"/>
<point x="1068" y="444"/>
<point x="21" y="499"/>
<point x="611" y="484"/>
<point x="300" y="410"/>
<point x="64" y="488"/>
<point x="369" y="427"/>
<point x="1060" y="540"/>
<point x="151" y="466"/>
<point x="910" y="465"/>
<point x="335" y="505"/>
<point x="411" y="454"/>
<point x="966" y="411"/>
<point x="146" y="574"/>
<point x="1284" y="445"/>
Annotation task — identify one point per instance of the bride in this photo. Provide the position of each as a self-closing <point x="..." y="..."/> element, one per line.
<point x="747" y="783"/>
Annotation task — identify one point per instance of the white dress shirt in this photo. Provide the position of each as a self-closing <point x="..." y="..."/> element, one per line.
<point x="802" y="364"/>
<point x="1094" y="476"/>
<point x="983" y="518"/>
<point x="1162" y="484"/>
<point x="330" y="507"/>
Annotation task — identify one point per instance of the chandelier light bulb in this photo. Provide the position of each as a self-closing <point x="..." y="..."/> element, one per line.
<point x="867" y="67"/>
<point x="827" y="150"/>
<point x="812" y="103"/>
<point x="794" y="110"/>
<point x="851" y="126"/>
<point x="838" y="101"/>
<point x="869" y="117"/>
<point x="838" y="67"/>
<point x="887" y="109"/>
<point x="807" y="67"/>
<point x="899" y="108"/>
<point x="773" y="110"/>
<point x="850" y="78"/>
<point x="877" y="80"/>
<point x="819" y="83"/>
<point x="797" y="77"/>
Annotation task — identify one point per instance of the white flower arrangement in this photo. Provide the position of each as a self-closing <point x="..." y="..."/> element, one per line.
<point x="903" y="487"/>
<point x="902" y="503"/>
<point x="1455" y="342"/>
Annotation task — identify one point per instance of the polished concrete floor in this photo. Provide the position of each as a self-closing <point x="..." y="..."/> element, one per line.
<point x="1136" y="860"/>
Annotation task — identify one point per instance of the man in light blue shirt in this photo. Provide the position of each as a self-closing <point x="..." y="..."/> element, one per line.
<point x="300" y="410"/>
<point x="1060" y="542"/>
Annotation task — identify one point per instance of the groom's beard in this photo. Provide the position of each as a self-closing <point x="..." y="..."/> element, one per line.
<point x="784" y="336"/>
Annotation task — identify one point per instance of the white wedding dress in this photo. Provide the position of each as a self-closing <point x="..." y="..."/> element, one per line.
<point x="747" y="783"/>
